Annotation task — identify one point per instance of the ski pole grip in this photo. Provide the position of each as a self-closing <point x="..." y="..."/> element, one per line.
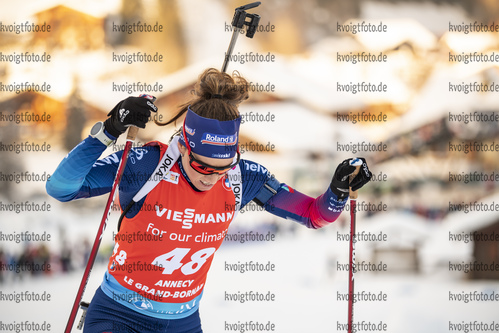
<point x="132" y="133"/>
<point x="354" y="194"/>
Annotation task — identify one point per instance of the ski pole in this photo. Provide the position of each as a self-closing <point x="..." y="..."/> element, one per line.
<point x="351" y="267"/>
<point x="132" y="133"/>
<point x="238" y="22"/>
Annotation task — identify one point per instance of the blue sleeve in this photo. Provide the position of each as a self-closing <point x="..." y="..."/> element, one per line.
<point x="81" y="175"/>
<point x="76" y="177"/>
<point x="289" y="203"/>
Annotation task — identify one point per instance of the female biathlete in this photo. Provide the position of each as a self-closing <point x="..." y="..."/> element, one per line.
<point x="180" y="198"/>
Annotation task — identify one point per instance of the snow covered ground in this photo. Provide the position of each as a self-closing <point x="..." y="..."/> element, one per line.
<point x="308" y="284"/>
<point x="305" y="285"/>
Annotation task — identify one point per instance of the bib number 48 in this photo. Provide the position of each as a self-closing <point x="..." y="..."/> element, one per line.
<point x="172" y="260"/>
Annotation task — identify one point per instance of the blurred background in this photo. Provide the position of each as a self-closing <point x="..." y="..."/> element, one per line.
<point x="436" y="206"/>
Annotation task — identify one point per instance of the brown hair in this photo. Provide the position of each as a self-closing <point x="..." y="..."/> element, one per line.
<point x="229" y="92"/>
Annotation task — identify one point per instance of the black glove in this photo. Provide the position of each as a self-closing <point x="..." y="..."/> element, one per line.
<point x="132" y="111"/>
<point x="340" y="183"/>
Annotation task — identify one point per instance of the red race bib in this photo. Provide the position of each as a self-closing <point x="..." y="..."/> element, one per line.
<point x="173" y="239"/>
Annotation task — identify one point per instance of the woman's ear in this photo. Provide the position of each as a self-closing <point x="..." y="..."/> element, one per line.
<point x="182" y="148"/>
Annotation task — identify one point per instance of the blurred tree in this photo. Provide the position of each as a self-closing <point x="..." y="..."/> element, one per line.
<point x="131" y="11"/>
<point x="172" y="39"/>
<point x="70" y="30"/>
<point x="484" y="10"/>
<point x="9" y="163"/>
<point x="169" y="42"/>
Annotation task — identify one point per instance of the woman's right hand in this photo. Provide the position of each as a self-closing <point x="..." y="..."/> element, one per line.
<point x="132" y="111"/>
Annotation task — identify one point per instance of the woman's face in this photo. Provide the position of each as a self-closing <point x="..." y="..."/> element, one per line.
<point x="200" y="181"/>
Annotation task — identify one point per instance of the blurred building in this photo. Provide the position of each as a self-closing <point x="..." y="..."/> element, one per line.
<point x="486" y="251"/>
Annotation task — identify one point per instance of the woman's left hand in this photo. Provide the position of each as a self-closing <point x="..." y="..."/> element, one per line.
<point x="340" y="183"/>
